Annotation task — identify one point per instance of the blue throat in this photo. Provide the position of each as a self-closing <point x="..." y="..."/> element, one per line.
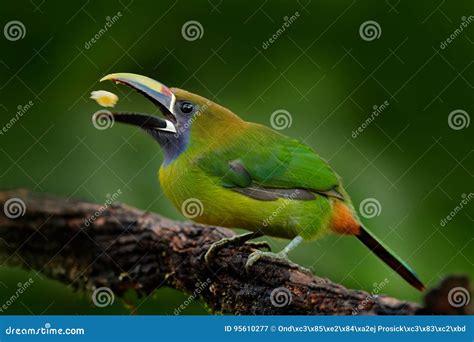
<point x="172" y="144"/>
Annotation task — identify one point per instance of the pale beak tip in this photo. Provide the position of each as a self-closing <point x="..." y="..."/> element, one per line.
<point x="107" y="77"/>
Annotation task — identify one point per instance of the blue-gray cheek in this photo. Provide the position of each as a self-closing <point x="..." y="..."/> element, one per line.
<point x="173" y="144"/>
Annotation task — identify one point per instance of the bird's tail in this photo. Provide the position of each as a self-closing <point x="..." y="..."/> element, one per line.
<point x="390" y="258"/>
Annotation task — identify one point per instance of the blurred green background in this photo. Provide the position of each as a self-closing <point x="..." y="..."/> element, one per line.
<point x="320" y="70"/>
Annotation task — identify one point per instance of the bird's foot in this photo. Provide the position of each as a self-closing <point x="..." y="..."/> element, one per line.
<point x="257" y="255"/>
<point x="280" y="256"/>
<point x="237" y="240"/>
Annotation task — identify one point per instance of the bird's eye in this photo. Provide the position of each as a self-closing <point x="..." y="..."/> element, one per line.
<point x="186" y="107"/>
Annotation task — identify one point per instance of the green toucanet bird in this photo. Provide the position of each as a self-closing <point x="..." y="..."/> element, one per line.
<point x="246" y="175"/>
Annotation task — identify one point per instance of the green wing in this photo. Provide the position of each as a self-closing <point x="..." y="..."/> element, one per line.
<point x="262" y="158"/>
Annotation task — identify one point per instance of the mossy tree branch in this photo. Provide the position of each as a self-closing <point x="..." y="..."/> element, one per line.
<point x="125" y="248"/>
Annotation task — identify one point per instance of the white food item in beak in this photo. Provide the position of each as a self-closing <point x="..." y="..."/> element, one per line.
<point x="104" y="98"/>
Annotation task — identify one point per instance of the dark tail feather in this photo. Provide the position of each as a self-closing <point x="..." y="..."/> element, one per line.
<point x="389" y="258"/>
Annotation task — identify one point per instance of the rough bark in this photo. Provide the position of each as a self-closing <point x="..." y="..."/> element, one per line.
<point x="125" y="248"/>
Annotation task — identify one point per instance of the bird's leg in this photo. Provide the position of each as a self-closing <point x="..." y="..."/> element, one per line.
<point x="292" y="245"/>
<point x="282" y="255"/>
<point x="236" y="240"/>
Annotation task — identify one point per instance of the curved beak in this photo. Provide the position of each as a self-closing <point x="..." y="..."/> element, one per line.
<point x="153" y="90"/>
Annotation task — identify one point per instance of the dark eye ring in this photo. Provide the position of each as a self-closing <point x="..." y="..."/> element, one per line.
<point x="186" y="107"/>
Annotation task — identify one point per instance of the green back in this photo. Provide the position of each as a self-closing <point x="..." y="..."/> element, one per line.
<point x="270" y="160"/>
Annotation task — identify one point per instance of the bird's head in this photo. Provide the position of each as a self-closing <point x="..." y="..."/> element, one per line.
<point x="187" y="117"/>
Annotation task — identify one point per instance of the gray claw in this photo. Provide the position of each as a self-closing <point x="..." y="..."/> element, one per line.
<point x="257" y="255"/>
<point x="259" y="244"/>
<point x="236" y="240"/>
